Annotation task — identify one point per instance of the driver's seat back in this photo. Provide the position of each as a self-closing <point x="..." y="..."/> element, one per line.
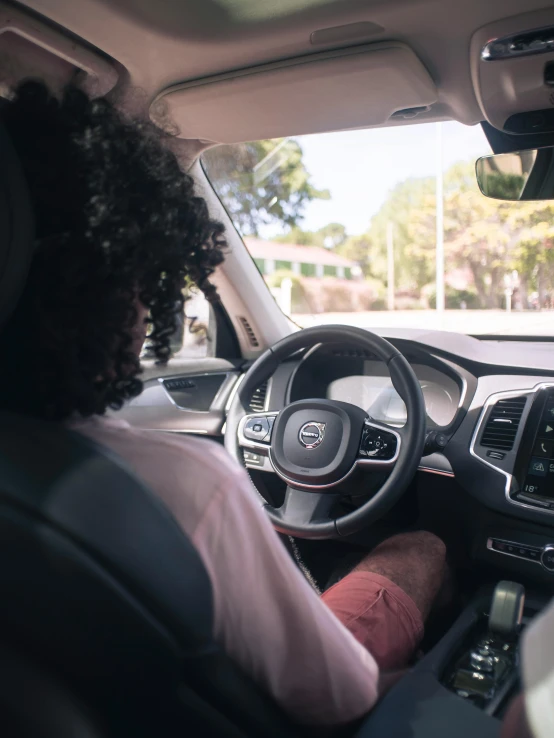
<point x="101" y="590"/>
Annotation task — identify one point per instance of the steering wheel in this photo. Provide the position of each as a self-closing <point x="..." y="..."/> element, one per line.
<point x="316" y="445"/>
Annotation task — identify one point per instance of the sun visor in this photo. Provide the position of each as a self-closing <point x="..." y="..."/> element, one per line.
<point x="31" y="47"/>
<point x="512" y="67"/>
<point x="348" y="88"/>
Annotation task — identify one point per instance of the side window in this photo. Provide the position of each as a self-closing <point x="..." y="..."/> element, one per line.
<point x="195" y="335"/>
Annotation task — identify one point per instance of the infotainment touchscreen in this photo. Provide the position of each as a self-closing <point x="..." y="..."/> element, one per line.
<point x="539" y="479"/>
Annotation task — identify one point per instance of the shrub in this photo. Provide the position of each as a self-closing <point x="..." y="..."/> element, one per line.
<point x="454" y="299"/>
<point x="378" y="304"/>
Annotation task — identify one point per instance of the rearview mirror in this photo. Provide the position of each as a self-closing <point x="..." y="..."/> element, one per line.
<point x="524" y="175"/>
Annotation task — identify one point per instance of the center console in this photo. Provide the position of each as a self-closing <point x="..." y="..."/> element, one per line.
<point x="484" y="669"/>
<point x="463" y="686"/>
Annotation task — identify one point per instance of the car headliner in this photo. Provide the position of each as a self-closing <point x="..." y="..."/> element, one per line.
<point x="167" y="42"/>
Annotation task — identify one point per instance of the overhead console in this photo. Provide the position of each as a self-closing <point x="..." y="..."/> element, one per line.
<point x="512" y="67"/>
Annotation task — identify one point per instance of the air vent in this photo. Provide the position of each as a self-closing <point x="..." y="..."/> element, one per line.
<point x="257" y="401"/>
<point x="501" y="428"/>
<point x="249" y="332"/>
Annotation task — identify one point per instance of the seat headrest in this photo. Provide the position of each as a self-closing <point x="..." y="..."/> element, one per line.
<point x="16" y="227"/>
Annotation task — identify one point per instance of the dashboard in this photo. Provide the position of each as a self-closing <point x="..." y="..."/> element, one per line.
<point x="462" y="385"/>
<point x="344" y="374"/>
<point x="373" y="392"/>
<point x="501" y="484"/>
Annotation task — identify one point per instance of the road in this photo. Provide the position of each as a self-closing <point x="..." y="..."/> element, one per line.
<point x="471" y="322"/>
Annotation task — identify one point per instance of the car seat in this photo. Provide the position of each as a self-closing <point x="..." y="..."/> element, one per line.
<point x="105" y="606"/>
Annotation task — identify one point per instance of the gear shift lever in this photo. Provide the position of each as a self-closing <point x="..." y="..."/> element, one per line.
<point x="506" y="609"/>
<point x="487" y="672"/>
<point x="504" y="621"/>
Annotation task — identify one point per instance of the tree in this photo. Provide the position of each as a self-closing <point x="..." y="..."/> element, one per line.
<point x="410" y="207"/>
<point x="300" y="237"/>
<point x="477" y="234"/>
<point x="358" y="249"/>
<point x="330" y="236"/>
<point x="333" y="235"/>
<point x="262" y="182"/>
<point x="533" y="253"/>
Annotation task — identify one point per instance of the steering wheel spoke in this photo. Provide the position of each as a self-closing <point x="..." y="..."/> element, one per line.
<point x="303" y="510"/>
<point x="254" y="431"/>
<point x="380" y="445"/>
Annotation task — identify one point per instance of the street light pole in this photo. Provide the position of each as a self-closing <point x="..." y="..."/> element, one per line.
<point x="390" y="266"/>
<point x="439" y="225"/>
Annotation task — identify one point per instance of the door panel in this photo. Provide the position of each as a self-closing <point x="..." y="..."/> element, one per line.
<point x="185" y="397"/>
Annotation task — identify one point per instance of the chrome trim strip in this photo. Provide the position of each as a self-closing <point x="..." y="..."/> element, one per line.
<point x="514" y="556"/>
<point x="268" y="393"/>
<point x="226" y="381"/>
<point x="234" y="392"/>
<point x="430" y="470"/>
<point x="488" y="54"/>
<point x="492" y="400"/>
<point x="183" y="431"/>
<point x="463" y="394"/>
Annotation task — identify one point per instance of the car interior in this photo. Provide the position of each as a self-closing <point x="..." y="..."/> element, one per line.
<point x="107" y="609"/>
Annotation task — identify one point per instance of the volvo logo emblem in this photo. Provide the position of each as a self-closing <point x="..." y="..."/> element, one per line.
<point x="311" y="434"/>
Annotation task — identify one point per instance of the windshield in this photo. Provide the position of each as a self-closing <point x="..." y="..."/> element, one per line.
<point x="387" y="228"/>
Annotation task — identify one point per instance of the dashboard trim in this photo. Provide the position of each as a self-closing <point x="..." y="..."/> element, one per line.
<point x="432" y="470"/>
<point x="463" y="393"/>
<point x="492" y="400"/>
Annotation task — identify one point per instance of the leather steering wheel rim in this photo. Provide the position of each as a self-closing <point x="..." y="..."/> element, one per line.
<point x="304" y="516"/>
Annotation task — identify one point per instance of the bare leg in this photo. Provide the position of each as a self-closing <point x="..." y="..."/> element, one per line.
<point x="386" y="612"/>
<point x="416" y="562"/>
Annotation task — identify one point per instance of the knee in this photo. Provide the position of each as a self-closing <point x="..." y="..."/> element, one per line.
<point x="418" y="545"/>
<point x="426" y="543"/>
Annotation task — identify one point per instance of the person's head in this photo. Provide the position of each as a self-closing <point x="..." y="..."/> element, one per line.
<point x="120" y="235"/>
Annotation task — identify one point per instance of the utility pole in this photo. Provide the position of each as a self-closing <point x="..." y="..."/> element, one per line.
<point x="390" y="266"/>
<point x="440" y="225"/>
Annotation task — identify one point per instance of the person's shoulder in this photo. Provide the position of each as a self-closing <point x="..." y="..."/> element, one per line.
<point x="191" y="475"/>
<point x="175" y="453"/>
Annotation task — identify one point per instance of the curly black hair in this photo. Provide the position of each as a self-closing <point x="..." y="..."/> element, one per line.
<point x="116" y="220"/>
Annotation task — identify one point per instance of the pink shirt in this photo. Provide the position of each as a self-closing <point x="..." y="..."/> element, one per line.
<point x="266" y="615"/>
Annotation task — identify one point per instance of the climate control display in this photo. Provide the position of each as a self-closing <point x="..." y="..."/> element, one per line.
<point x="539" y="481"/>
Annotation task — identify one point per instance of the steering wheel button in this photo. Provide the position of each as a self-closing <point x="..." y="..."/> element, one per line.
<point x="256" y="429"/>
<point x="377" y="444"/>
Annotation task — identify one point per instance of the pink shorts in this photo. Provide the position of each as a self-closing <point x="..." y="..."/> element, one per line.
<point x="380" y="615"/>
